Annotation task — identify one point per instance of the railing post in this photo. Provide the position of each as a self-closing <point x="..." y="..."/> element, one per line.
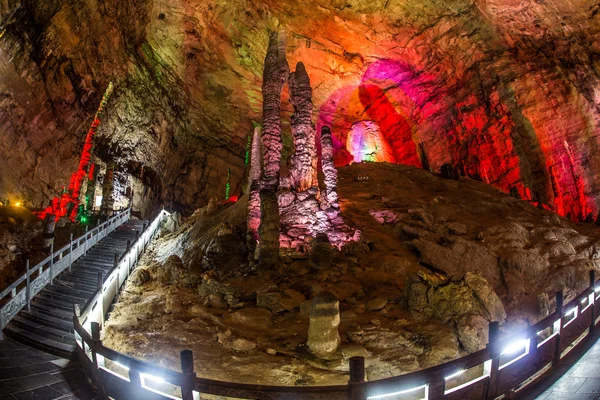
<point x="28" y="286"/>
<point x="101" y="298"/>
<point x="187" y="367"/>
<point x="592" y="300"/>
<point x="116" y="265"/>
<point x="85" y="240"/>
<point x="558" y="311"/>
<point x="52" y="263"/>
<point x="70" y="251"/>
<point x="494" y="337"/>
<point x="96" y="344"/>
<point x="356" y="388"/>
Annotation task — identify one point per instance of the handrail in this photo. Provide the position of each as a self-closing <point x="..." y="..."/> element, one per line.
<point x="504" y="366"/>
<point x="36" y="278"/>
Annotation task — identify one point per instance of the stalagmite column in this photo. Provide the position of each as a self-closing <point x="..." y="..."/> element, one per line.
<point x="329" y="171"/>
<point x="268" y="252"/>
<point x="304" y="160"/>
<point x="254" y="186"/>
<point x="274" y="76"/>
<point x="108" y="189"/>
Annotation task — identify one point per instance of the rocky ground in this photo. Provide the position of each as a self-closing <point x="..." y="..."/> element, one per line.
<point x="437" y="260"/>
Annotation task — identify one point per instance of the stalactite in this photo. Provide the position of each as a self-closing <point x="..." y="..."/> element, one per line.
<point x="304" y="160"/>
<point x="275" y="74"/>
<point x="108" y="189"/>
<point x="329" y="170"/>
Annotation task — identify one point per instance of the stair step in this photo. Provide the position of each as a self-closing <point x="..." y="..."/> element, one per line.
<point x="42" y="343"/>
<point x="58" y="313"/>
<point x="67" y="293"/>
<point x="54" y="303"/>
<point x="85" y="284"/>
<point x="73" y="291"/>
<point x="45" y="331"/>
<point x="48" y="320"/>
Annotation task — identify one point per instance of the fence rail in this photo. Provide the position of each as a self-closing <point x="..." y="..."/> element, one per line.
<point x="502" y="368"/>
<point x="19" y="294"/>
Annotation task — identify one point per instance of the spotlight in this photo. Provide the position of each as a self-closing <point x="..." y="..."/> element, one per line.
<point x="515" y="347"/>
<point x="457" y="373"/>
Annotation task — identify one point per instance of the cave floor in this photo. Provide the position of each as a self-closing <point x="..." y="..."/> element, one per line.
<point x="28" y="373"/>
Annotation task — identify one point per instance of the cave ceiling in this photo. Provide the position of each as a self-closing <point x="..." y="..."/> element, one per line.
<point x="507" y="92"/>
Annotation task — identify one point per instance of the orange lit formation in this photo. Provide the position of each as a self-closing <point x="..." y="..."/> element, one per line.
<point x="67" y="204"/>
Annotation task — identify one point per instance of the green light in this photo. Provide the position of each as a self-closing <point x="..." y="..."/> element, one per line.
<point x="228" y="184"/>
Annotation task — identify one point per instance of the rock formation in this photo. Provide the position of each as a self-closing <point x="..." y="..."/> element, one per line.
<point x="323" y="336"/>
<point x="329" y="171"/>
<point x="106" y="207"/>
<point x="275" y="74"/>
<point x="304" y="160"/>
<point x="303" y="214"/>
<point x="268" y="253"/>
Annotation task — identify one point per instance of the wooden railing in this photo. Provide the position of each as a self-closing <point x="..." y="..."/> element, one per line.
<point x="503" y="367"/>
<point x="19" y="294"/>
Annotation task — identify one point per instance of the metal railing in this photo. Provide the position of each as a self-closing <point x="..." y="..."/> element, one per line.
<point x="18" y="295"/>
<point x="502" y="368"/>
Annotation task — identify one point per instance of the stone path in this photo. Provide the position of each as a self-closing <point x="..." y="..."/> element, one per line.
<point x="576" y="378"/>
<point x="28" y="374"/>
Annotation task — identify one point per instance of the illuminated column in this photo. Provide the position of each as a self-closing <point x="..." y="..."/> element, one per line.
<point x="329" y="171"/>
<point x="254" y="187"/>
<point x="275" y="74"/>
<point x="304" y="160"/>
<point x="107" y="189"/>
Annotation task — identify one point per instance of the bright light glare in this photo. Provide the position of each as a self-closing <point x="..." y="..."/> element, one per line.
<point x="121" y="366"/>
<point x="156" y="379"/>
<point x="383" y="396"/>
<point x="515" y="347"/>
<point x="457" y="373"/>
<point x="18" y="204"/>
<point x="571" y="311"/>
<point x="597" y="289"/>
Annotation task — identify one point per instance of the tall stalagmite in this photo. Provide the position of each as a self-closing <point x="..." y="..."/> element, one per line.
<point x="275" y="74"/>
<point x="329" y="171"/>
<point x="304" y="160"/>
<point x="254" y="186"/>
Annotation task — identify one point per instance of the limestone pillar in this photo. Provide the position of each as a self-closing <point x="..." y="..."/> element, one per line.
<point x="329" y="170"/>
<point x="268" y="251"/>
<point x="304" y="160"/>
<point x="275" y="74"/>
<point x="323" y="336"/>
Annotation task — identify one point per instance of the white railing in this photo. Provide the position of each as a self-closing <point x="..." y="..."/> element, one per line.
<point x="109" y="285"/>
<point x="18" y="295"/>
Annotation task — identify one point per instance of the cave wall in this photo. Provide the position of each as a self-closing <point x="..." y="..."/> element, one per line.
<point x="506" y="91"/>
